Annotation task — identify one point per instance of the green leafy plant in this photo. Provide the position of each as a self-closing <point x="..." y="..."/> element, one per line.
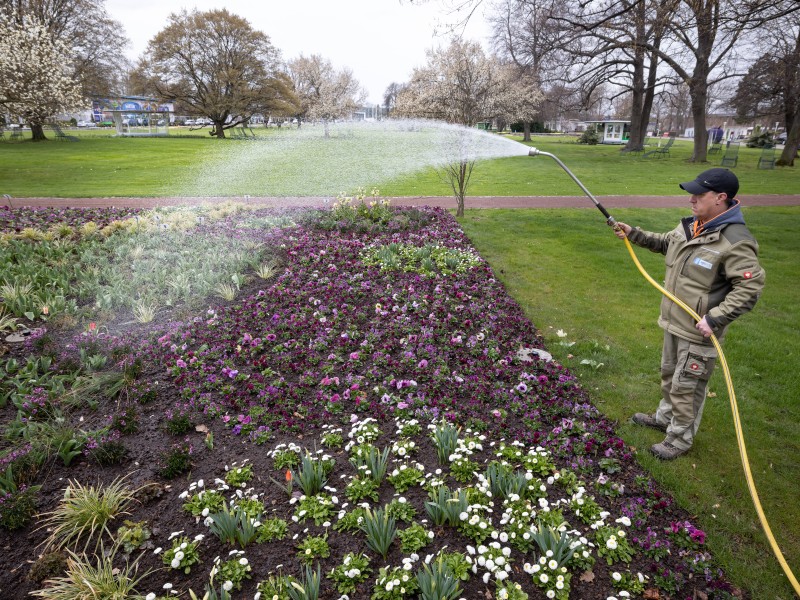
<point x="350" y="520"/>
<point x="285" y="459"/>
<point x="414" y="538"/>
<point x="204" y="502"/>
<point x="394" y="584"/>
<point x="320" y="508"/>
<point x="85" y="512"/>
<point x="332" y="440"/>
<point x="272" y="530"/>
<point x="401" y="509"/>
<point x="182" y="555"/>
<point x="360" y="488"/>
<point x="613" y="545"/>
<point x="353" y="571"/>
<point x="234" y="570"/>
<point x="133" y="535"/>
<point x="239" y="476"/>
<point x="380" y="529"/>
<point x="313" y="548"/>
<point x="176" y="461"/>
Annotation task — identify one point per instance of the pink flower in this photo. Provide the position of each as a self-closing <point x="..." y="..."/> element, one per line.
<point x="354" y="356"/>
<point x="180" y="363"/>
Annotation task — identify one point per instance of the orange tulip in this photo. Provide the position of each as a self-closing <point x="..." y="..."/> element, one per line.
<point x="288" y="475"/>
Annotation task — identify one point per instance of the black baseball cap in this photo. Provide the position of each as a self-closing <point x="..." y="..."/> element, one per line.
<point x="713" y="180"/>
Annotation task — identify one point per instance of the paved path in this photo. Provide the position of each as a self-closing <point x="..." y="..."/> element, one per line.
<point x="443" y="201"/>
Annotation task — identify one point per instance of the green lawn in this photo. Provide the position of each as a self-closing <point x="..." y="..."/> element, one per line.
<point x="193" y="164"/>
<point x="569" y="272"/>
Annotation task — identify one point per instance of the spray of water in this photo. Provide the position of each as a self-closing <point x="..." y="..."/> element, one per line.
<point x="325" y="161"/>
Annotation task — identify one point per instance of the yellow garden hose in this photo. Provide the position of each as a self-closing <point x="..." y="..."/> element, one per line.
<point x="736" y="423"/>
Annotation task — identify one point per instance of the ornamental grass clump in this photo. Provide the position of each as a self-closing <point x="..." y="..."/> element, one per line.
<point x="86" y="512"/>
<point x="234" y="527"/>
<point x="83" y="580"/>
<point x="372" y="462"/>
<point x="446" y="507"/>
<point x="308" y="586"/>
<point x="445" y="438"/>
<point x="311" y="475"/>
<point x="437" y="582"/>
<point x="381" y="529"/>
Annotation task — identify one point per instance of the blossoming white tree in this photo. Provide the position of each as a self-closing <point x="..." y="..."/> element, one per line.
<point x="461" y="84"/>
<point x="325" y="93"/>
<point x="36" y="81"/>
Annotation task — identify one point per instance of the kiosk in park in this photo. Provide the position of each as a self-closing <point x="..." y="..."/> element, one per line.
<point x="134" y="115"/>
<point x="611" y="131"/>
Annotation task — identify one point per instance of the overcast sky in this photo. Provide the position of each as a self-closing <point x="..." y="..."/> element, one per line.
<point x="381" y="41"/>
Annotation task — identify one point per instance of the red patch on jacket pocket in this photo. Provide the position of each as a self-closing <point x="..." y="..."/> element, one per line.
<point x="747" y="275"/>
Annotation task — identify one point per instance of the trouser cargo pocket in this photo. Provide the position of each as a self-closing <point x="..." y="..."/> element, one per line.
<point x="696" y="366"/>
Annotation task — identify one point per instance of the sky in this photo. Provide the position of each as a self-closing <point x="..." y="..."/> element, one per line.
<point x="380" y="41"/>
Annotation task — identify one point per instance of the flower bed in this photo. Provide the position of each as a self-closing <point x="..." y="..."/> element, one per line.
<point x="361" y="419"/>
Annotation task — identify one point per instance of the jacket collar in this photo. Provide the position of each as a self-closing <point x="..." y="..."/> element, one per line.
<point x="729" y="217"/>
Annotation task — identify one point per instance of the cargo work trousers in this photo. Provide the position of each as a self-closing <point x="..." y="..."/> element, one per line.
<point x="686" y="368"/>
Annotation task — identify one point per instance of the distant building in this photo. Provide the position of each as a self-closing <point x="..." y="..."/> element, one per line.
<point x="375" y="112"/>
<point x="611" y="131"/>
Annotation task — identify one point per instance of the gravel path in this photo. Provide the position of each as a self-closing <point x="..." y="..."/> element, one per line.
<point x="443" y="201"/>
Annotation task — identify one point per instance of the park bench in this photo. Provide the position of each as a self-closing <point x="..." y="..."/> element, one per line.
<point x="662" y="151"/>
<point x="16" y="134"/>
<point x="767" y="158"/>
<point x="715" y="148"/>
<point x="63" y="137"/>
<point x="731" y="156"/>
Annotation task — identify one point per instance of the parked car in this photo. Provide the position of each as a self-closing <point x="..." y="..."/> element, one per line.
<point x="781" y="137"/>
<point x="189" y="122"/>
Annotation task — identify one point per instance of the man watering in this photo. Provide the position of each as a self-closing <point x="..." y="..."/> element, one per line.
<point x="712" y="266"/>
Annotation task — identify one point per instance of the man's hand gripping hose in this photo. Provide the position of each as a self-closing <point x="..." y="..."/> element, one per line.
<point x="728" y="381"/>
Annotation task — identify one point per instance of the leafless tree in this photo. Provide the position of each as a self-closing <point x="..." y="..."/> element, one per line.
<point x="772" y="85"/>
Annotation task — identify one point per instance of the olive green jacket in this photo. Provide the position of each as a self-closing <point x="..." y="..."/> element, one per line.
<point x="716" y="273"/>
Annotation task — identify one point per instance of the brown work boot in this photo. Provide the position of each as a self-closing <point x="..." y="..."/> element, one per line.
<point x="666" y="451"/>
<point x="648" y="421"/>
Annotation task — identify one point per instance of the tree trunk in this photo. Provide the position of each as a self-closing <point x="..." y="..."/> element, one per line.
<point x="792" y="144"/>
<point x="37" y="131"/>
<point x="526" y="131"/>
<point x="650" y="92"/>
<point x="698" y="92"/>
<point x="635" y="139"/>
<point x="218" y="131"/>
